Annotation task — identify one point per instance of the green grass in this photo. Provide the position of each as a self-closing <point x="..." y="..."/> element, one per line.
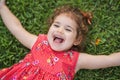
<point x="33" y="14"/>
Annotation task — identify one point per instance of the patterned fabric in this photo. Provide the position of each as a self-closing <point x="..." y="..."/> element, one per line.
<point x="42" y="63"/>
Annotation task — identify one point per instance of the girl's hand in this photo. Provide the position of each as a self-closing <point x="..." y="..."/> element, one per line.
<point x="2" y="2"/>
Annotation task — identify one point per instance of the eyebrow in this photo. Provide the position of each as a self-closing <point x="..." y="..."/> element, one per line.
<point x="65" y="25"/>
<point x="57" y="22"/>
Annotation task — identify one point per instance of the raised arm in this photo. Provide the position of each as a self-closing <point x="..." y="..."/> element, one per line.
<point x="86" y="61"/>
<point x="15" y="27"/>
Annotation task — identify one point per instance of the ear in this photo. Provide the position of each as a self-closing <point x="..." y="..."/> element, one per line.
<point x="77" y="41"/>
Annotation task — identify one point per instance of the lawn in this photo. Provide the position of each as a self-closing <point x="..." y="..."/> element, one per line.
<point x="103" y="36"/>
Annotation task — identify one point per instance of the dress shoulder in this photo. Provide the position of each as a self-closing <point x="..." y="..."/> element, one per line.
<point x="40" y="38"/>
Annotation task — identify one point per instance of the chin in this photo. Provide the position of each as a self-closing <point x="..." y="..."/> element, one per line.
<point x="57" y="49"/>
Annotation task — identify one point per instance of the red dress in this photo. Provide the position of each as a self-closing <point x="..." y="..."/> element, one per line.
<point x="42" y="63"/>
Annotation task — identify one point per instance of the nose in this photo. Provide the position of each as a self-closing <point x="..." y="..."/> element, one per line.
<point x="60" y="30"/>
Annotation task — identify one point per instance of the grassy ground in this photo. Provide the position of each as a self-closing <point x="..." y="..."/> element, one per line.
<point x="103" y="36"/>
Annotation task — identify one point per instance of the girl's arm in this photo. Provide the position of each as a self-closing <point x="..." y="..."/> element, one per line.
<point x="86" y="61"/>
<point x="15" y="27"/>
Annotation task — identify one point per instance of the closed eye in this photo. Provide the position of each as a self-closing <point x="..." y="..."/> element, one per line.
<point x="56" y="25"/>
<point x="68" y="30"/>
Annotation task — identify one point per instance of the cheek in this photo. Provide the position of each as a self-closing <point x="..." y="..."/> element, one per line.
<point x="72" y="37"/>
<point x="50" y="30"/>
<point x="74" y="34"/>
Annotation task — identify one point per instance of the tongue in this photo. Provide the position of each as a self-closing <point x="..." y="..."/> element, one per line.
<point x="58" y="40"/>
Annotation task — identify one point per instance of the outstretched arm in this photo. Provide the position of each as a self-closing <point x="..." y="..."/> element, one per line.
<point x="86" y="61"/>
<point x="15" y="27"/>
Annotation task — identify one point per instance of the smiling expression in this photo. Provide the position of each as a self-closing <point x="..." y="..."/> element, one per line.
<point x="62" y="33"/>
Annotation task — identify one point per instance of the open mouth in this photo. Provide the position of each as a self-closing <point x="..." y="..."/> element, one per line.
<point x="58" y="40"/>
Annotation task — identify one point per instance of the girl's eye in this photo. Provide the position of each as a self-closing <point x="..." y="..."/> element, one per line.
<point x="68" y="30"/>
<point x="56" y="25"/>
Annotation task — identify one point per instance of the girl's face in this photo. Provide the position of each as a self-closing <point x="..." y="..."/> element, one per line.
<point x="62" y="33"/>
